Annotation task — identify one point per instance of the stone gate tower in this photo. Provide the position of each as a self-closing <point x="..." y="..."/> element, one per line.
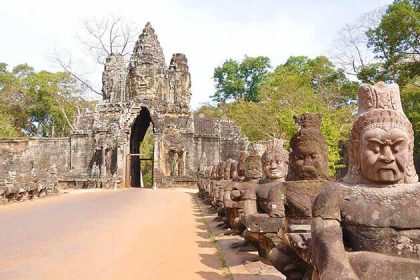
<point x="141" y="93"/>
<point x="144" y="93"/>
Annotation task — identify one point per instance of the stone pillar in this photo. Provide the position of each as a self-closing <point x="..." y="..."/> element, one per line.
<point x="103" y="162"/>
<point x="122" y="152"/>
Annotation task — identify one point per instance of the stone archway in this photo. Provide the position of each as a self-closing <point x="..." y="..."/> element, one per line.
<point x="137" y="134"/>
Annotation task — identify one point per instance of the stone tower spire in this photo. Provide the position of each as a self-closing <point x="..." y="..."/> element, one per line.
<point x="179" y="83"/>
<point x="148" y="49"/>
<point x="147" y="68"/>
<point x="114" y="78"/>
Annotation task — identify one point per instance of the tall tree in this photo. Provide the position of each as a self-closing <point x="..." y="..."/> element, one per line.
<point x="396" y="44"/>
<point x="297" y="86"/>
<point x="240" y="80"/>
<point x="350" y="51"/>
<point x="331" y="85"/>
<point x="38" y="103"/>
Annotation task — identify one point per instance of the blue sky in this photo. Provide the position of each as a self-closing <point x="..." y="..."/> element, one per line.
<point x="208" y="32"/>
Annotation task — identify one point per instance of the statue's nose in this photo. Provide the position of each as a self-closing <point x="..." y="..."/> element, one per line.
<point x="387" y="156"/>
<point x="308" y="160"/>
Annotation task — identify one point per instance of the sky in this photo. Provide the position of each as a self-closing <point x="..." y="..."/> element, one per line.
<point x="207" y="31"/>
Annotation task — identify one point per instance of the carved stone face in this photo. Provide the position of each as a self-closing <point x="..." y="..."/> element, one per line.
<point x="384" y="155"/>
<point x="226" y="174"/>
<point x="242" y="165"/>
<point x="234" y="171"/>
<point x="253" y="168"/>
<point x="275" y="167"/>
<point x="309" y="163"/>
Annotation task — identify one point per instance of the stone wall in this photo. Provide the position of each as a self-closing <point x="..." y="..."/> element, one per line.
<point x="219" y="140"/>
<point x="21" y="155"/>
<point x="82" y="150"/>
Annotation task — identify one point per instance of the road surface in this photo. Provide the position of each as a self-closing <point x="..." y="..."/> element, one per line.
<point x="122" y="234"/>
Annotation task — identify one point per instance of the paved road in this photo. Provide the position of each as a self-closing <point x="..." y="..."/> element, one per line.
<point x="123" y="234"/>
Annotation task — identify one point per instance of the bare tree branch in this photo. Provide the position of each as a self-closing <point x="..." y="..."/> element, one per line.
<point x="66" y="65"/>
<point x="64" y="113"/>
<point x="350" y="50"/>
<point x="111" y="35"/>
<point x="100" y="38"/>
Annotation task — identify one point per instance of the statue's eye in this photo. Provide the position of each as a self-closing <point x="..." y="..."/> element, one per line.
<point x="374" y="148"/>
<point x="396" y="148"/>
<point x="313" y="156"/>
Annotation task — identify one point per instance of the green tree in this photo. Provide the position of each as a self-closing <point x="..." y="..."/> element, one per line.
<point x="7" y="129"/>
<point x="410" y="96"/>
<point x="396" y="44"/>
<point x="146" y="151"/>
<point x="297" y="86"/>
<point x="331" y="85"/>
<point x="240" y="80"/>
<point x="39" y="103"/>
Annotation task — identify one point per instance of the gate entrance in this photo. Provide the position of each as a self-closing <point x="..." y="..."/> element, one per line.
<point x="144" y="164"/>
<point x="139" y="162"/>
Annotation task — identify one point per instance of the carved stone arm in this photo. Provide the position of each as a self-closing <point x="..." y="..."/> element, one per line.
<point x="329" y="255"/>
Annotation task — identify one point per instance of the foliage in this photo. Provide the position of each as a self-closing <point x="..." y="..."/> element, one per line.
<point x="331" y="85"/>
<point x="410" y="95"/>
<point x="7" y="128"/>
<point x="146" y="151"/>
<point x="396" y="44"/>
<point x="210" y="111"/>
<point x="38" y="103"/>
<point x="240" y="80"/>
<point x="300" y="85"/>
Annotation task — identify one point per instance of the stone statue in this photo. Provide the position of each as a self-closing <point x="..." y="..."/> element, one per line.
<point x="147" y="70"/>
<point x="174" y="161"/>
<point x="241" y="165"/>
<point x="368" y="227"/>
<point x="224" y="182"/>
<point x="308" y="171"/>
<point x="241" y="193"/>
<point x="238" y="175"/>
<point x="175" y="166"/>
<point x="261" y="226"/>
<point x="308" y="158"/>
<point x="53" y="177"/>
<point x="201" y="174"/>
<point x="114" y="78"/>
<point x="180" y="81"/>
<point x="230" y="211"/>
<point x="217" y="184"/>
<point x="234" y="170"/>
<point x="181" y="162"/>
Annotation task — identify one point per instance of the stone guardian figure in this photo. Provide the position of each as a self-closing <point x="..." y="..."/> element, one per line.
<point x="368" y="227"/>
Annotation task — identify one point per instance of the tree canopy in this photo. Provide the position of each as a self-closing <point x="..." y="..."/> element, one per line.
<point x="396" y="44"/>
<point x="240" y="80"/>
<point x="299" y="85"/>
<point x="37" y="103"/>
